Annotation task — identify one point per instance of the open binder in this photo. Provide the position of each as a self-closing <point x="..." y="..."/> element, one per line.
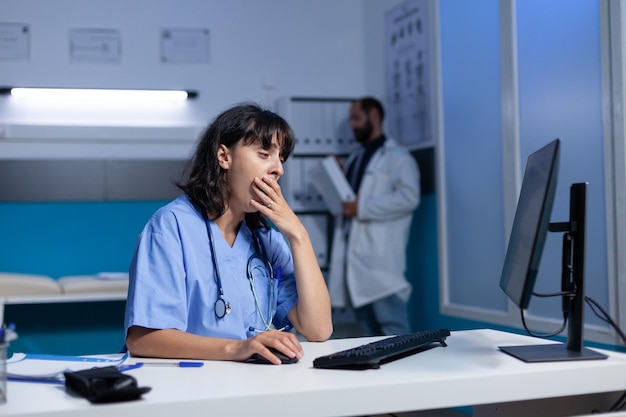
<point x="330" y="181"/>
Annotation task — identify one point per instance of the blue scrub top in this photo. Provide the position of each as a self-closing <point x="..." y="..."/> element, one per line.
<point x="172" y="282"/>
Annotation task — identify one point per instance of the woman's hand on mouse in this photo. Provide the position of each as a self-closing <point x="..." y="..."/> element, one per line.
<point x="284" y="342"/>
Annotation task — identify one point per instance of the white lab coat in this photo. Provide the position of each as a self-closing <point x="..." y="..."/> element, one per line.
<point x="376" y="247"/>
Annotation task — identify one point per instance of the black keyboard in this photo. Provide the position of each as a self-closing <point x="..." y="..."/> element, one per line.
<point x="372" y="355"/>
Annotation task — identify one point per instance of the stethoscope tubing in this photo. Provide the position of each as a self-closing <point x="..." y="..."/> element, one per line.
<point x="222" y="307"/>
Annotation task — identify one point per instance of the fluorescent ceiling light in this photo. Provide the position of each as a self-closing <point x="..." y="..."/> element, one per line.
<point x="98" y="94"/>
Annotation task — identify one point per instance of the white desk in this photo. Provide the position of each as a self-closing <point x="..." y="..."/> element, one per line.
<point x="470" y="371"/>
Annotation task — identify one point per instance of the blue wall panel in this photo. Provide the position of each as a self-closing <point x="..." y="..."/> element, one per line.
<point x="561" y="96"/>
<point x="472" y="151"/>
<point x="59" y="239"/>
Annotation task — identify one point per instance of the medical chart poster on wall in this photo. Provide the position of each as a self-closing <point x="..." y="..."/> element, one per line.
<point x="407" y="72"/>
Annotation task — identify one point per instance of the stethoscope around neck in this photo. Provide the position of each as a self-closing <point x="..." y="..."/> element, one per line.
<point x="223" y="307"/>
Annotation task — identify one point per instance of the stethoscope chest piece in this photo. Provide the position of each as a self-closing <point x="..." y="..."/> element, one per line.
<point x="222" y="307"/>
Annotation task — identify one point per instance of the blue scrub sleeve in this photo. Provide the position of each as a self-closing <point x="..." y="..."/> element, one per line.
<point x="157" y="293"/>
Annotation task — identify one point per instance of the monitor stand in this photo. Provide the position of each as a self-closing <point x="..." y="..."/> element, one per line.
<point x="553" y="352"/>
<point x="573" y="286"/>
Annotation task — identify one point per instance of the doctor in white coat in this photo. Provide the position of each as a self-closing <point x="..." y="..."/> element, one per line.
<point x="368" y="260"/>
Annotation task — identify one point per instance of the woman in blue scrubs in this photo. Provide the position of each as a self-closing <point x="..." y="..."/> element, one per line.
<point x="209" y="278"/>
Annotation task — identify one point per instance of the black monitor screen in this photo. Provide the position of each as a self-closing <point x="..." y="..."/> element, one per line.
<point x="531" y="223"/>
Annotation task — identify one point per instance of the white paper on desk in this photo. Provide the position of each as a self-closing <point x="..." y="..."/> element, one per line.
<point x="330" y="181"/>
<point x="37" y="367"/>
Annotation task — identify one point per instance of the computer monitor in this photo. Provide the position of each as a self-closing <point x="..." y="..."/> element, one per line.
<point x="528" y="235"/>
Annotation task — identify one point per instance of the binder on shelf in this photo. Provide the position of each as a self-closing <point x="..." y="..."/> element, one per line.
<point x="330" y="181"/>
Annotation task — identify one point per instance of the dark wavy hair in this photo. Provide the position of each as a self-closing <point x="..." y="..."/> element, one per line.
<point x="206" y="184"/>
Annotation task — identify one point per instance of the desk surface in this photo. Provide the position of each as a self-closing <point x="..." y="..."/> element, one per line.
<point x="470" y="371"/>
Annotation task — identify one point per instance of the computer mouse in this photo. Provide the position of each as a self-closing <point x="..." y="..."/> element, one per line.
<point x="260" y="359"/>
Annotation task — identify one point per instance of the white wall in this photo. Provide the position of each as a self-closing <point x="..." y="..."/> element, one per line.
<point x="258" y="51"/>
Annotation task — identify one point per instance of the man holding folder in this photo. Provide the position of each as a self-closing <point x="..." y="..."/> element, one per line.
<point x="368" y="260"/>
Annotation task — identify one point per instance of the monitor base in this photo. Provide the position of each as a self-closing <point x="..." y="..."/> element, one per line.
<point x="550" y="353"/>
